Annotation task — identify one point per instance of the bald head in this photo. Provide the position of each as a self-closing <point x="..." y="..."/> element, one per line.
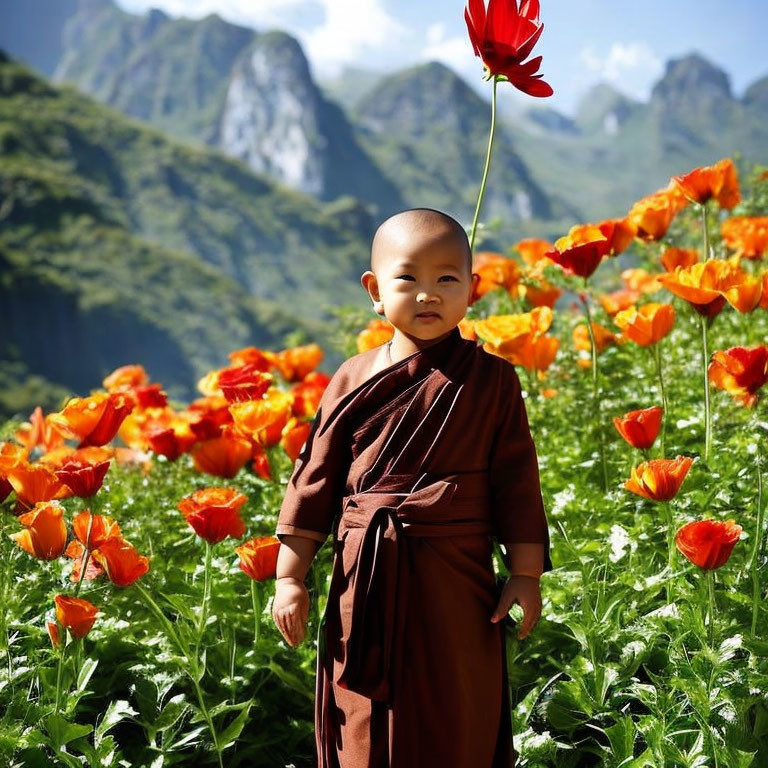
<point x="409" y="230"/>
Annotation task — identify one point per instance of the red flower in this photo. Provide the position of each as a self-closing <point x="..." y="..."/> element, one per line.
<point x="640" y="428"/>
<point x="258" y="557"/>
<point x="102" y="527"/>
<point x="504" y="36"/>
<point x="581" y="250"/>
<point x="659" y="479"/>
<point x="708" y="543"/>
<point x="121" y="561"/>
<point x="214" y="513"/>
<point x="81" y="477"/>
<point x="741" y="371"/>
<point x="74" y="613"/>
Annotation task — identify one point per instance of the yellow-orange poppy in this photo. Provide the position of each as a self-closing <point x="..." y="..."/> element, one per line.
<point x="740" y="371"/>
<point x="719" y="182"/>
<point x="44" y="534"/>
<point x="659" y="479"/>
<point x="647" y="324"/>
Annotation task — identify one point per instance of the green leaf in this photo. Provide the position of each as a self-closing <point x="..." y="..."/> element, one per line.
<point x="232" y="731"/>
<point x="62" y="731"/>
<point x="117" y="711"/>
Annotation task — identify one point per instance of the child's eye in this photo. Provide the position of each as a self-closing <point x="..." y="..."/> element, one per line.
<point x="405" y="277"/>
<point x="450" y="277"/>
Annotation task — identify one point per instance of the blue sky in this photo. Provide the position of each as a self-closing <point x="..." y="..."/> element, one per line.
<point x="584" y="42"/>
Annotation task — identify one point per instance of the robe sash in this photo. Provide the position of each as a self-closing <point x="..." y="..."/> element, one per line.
<point x="375" y="529"/>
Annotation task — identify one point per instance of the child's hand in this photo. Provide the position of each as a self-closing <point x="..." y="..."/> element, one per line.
<point x="525" y="591"/>
<point x="290" y="609"/>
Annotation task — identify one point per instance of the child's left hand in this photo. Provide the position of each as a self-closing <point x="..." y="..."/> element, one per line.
<point x="525" y="591"/>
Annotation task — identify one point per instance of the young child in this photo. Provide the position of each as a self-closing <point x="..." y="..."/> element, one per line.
<point x="419" y="457"/>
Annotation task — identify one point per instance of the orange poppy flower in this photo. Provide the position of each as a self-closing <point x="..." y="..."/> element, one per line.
<point x="748" y="236"/>
<point x="121" y="562"/>
<point x="258" y="557"/>
<point x="541" y="294"/>
<point x="39" y="431"/>
<point x="81" y="477"/>
<point x="126" y="377"/>
<point x="34" y="483"/>
<point x="678" y="257"/>
<point x="536" y="353"/>
<point x="504" y="37"/>
<point x="222" y="456"/>
<point x="640" y="428"/>
<point x="504" y="334"/>
<point x="651" y="216"/>
<point x="617" y="300"/>
<point x="659" y="479"/>
<point x="741" y="371"/>
<point x="581" y="250"/>
<point x="707" y="285"/>
<point x="647" y="324"/>
<point x="102" y="527"/>
<point x="76" y="614"/>
<point x="708" y="543"/>
<point x="719" y="181"/>
<point x="251" y="355"/>
<point x="377" y="332"/>
<point x="603" y="337"/>
<point x="151" y="396"/>
<point x="213" y="513"/>
<point x="534" y="250"/>
<point x="496" y="271"/>
<point x="295" y="363"/>
<point x="638" y="279"/>
<point x="307" y="394"/>
<point x="260" y="463"/>
<point x="294" y="436"/>
<point x="93" y="420"/>
<point x="467" y="329"/>
<point x="620" y="234"/>
<point x="764" y="290"/>
<point x="45" y="534"/>
<point x="263" y="420"/>
<point x="76" y="551"/>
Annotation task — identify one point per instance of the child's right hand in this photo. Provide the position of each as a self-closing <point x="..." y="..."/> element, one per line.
<point x="290" y="609"/>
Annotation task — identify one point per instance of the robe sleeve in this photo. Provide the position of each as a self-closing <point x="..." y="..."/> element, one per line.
<point x="517" y="507"/>
<point x="315" y="491"/>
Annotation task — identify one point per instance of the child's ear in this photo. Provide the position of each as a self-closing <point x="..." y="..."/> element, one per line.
<point x="475" y="282"/>
<point x="371" y="285"/>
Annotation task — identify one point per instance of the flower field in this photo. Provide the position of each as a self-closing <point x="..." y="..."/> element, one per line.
<point x="138" y="559"/>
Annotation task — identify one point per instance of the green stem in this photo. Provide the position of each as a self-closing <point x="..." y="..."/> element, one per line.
<point x="754" y="558"/>
<point x="164" y="620"/>
<point x="86" y="555"/>
<point x="480" y="196"/>
<point x="4" y="571"/>
<point x="705" y="224"/>
<point x="62" y="632"/>
<point x="665" y="405"/>
<point x="707" y="414"/>
<point x="206" y="597"/>
<point x="710" y="575"/>
<point x="670" y="546"/>
<point x="595" y="386"/>
<point x="256" y="611"/>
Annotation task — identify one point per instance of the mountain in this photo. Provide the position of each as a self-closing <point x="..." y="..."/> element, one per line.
<point x="617" y="150"/>
<point x="247" y="93"/>
<point x="119" y="245"/>
<point x="429" y="129"/>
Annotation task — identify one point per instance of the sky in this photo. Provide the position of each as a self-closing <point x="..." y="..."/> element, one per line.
<point x="584" y="42"/>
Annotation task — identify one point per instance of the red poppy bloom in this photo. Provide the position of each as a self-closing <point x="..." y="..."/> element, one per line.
<point x="258" y="557"/>
<point x="122" y="563"/>
<point x="74" y="613"/>
<point x="246" y="382"/>
<point x="504" y="36"/>
<point x="741" y="371"/>
<point x="640" y="428"/>
<point x="581" y="250"/>
<point x="708" y="543"/>
<point x="93" y="420"/>
<point x="45" y="534"/>
<point x="82" y="477"/>
<point x="213" y="513"/>
<point x="659" y="479"/>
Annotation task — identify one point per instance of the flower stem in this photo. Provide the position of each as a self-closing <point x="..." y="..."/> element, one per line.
<point x="670" y="546"/>
<point x="754" y="558"/>
<point x="595" y="386"/>
<point x="206" y="596"/>
<point x="705" y="224"/>
<point x="665" y="416"/>
<point x="707" y="414"/>
<point x="480" y="196"/>
<point x="256" y="611"/>
<point x="710" y="576"/>
<point x="155" y="608"/>
<point x="62" y="633"/>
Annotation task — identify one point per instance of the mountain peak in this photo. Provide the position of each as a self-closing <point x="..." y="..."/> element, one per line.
<point x="604" y="109"/>
<point x="692" y="73"/>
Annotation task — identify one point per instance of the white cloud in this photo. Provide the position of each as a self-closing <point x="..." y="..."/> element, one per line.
<point x="455" y="52"/>
<point x="632" y="67"/>
<point x="263" y="13"/>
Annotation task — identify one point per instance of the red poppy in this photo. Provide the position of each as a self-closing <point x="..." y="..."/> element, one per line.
<point x="504" y="36"/>
<point x="213" y="513"/>
<point x="122" y="563"/>
<point x="45" y="534"/>
<point x="659" y="479"/>
<point x="93" y="420"/>
<point x="581" y="250"/>
<point x="74" y="613"/>
<point x="640" y="428"/>
<point x="258" y="557"/>
<point x="83" y="478"/>
<point x="708" y="543"/>
<point x="741" y="371"/>
<point x="102" y="527"/>
<point x="241" y="383"/>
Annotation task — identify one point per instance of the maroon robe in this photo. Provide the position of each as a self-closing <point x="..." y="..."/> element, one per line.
<point x="415" y="469"/>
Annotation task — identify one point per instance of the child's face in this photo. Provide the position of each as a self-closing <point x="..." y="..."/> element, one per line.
<point x="422" y="283"/>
